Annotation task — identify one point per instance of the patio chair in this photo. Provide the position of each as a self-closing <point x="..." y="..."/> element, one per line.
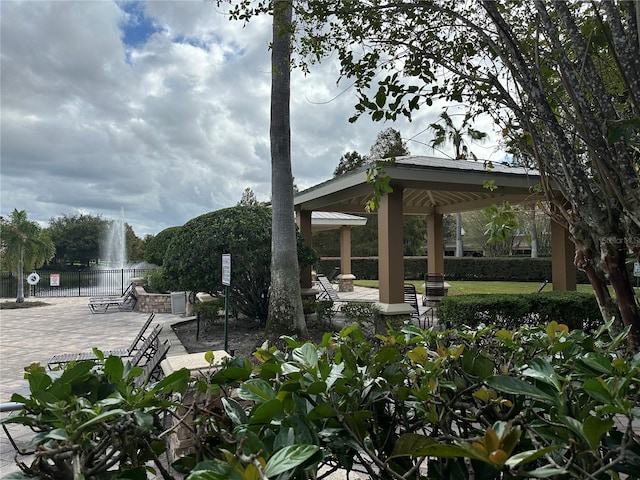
<point x="125" y="303"/>
<point x="148" y="348"/>
<point x="433" y="292"/>
<point x="328" y="292"/>
<point x="333" y="275"/>
<point x="62" y="358"/>
<point x="411" y="298"/>
<point x="152" y="371"/>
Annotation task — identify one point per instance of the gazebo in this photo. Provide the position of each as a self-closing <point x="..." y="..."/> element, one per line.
<point x="433" y="187"/>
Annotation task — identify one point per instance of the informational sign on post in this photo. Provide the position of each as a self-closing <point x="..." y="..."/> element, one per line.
<point x="226" y="281"/>
<point x="226" y="269"/>
<point x="54" y="279"/>
<point x="636" y="269"/>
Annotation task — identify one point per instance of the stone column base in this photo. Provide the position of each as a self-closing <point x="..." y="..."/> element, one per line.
<point x="345" y="282"/>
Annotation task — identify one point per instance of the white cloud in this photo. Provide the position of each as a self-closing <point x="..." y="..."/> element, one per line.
<point x="167" y="128"/>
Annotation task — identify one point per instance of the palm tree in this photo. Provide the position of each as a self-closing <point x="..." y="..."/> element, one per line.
<point x="285" y="302"/>
<point x="24" y="243"/>
<point x="455" y="135"/>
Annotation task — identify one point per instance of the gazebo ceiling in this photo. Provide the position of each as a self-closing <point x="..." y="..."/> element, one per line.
<point x="430" y="184"/>
<point x="321" y="221"/>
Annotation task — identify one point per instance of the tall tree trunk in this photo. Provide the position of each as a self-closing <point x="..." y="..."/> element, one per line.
<point x="286" y="316"/>
<point x="614" y="257"/>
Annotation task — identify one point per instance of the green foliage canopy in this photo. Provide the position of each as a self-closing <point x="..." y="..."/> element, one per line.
<point x="156" y="246"/>
<point x="77" y="237"/>
<point x="193" y="260"/>
<point x="23" y="240"/>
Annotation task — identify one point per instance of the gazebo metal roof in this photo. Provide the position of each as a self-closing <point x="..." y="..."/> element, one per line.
<point x="430" y="184"/>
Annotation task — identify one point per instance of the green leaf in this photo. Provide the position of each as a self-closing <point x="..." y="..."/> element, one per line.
<point x="517" y="386"/>
<point x="144" y="420"/>
<point x="288" y="458"/>
<point x="38" y="380"/>
<point x="307" y="355"/>
<point x="322" y="410"/>
<point x="214" y="470"/>
<point x="257" y="390"/>
<point x="174" y="382"/>
<point x="410" y="443"/>
<point x="598" y="390"/>
<point x="58" y="434"/>
<point x="476" y="364"/>
<point x="597" y="362"/>
<point x="529" y="456"/>
<point x="542" y="370"/>
<point x="265" y="412"/>
<point x="113" y="368"/>
<point x="234" y="411"/>
<point x="381" y="97"/>
<point x="546" y="472"/>
<point x="594" y="428"/>
<point x="103" y="416"/>
<point x="76" y="372"/>
<point x="316" y="388"/>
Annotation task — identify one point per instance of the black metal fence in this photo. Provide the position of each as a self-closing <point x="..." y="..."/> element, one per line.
<point x="81" y="283"/>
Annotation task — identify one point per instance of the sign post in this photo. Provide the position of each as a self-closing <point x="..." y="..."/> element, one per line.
<point x="226" y="281"/>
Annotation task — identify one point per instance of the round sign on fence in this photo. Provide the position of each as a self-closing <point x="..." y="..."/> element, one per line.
<point x="33" y="278"/>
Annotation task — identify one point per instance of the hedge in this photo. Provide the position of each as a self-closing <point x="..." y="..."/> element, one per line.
<point x="509" y="311"/>
<point x="515" y="269"/>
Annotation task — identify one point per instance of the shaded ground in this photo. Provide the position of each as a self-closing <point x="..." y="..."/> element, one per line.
<point x="243" y="335"/>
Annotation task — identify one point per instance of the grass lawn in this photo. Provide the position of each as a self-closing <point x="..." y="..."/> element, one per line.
<point x="462" y="287"/>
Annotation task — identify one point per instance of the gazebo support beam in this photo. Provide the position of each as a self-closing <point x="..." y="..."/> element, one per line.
<point x="346" y="278"/>
<point x="390" y="255"/>
<point x="435" y="244"/>
<point x="563" y="271"/>
<point x="303" y="219"/>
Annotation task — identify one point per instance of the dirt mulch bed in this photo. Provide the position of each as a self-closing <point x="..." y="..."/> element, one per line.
<point x="243" y="336"/>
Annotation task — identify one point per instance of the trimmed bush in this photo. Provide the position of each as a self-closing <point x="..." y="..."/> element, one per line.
<point x="360" y="312"/>
<point x="209" y="310"/>
<point x="509" y="311"/>
<point x="193" y="260"/>
<point x="515" y="269"/>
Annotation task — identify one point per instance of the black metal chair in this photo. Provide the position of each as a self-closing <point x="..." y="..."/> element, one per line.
<point x="62" y="358"/>
<point x="433" y="292"/>
<point x="411" y="299"/>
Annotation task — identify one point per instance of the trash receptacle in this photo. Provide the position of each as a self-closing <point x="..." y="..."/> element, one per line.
<point x="178" y="303"/>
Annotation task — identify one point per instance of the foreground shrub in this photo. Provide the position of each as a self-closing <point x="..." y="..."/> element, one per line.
<point x="193" y="259"/>
<point x="92" y="422"/>
<point x="574" y="309"/>
<point x="544" y="402"/>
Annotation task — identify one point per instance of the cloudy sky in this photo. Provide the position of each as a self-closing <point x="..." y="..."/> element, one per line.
<point x="160" y="110"/>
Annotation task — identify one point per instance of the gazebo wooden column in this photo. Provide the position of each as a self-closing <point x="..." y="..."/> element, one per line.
<point x="390" y="254"/>
<point x="304" y="224"/>
<point x="435" y="244"/>
<point x="346" y="278"/>
<point x="563" y="271"/>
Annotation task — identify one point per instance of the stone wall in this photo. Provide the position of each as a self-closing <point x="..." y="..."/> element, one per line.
<point x="152" y="302"/>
